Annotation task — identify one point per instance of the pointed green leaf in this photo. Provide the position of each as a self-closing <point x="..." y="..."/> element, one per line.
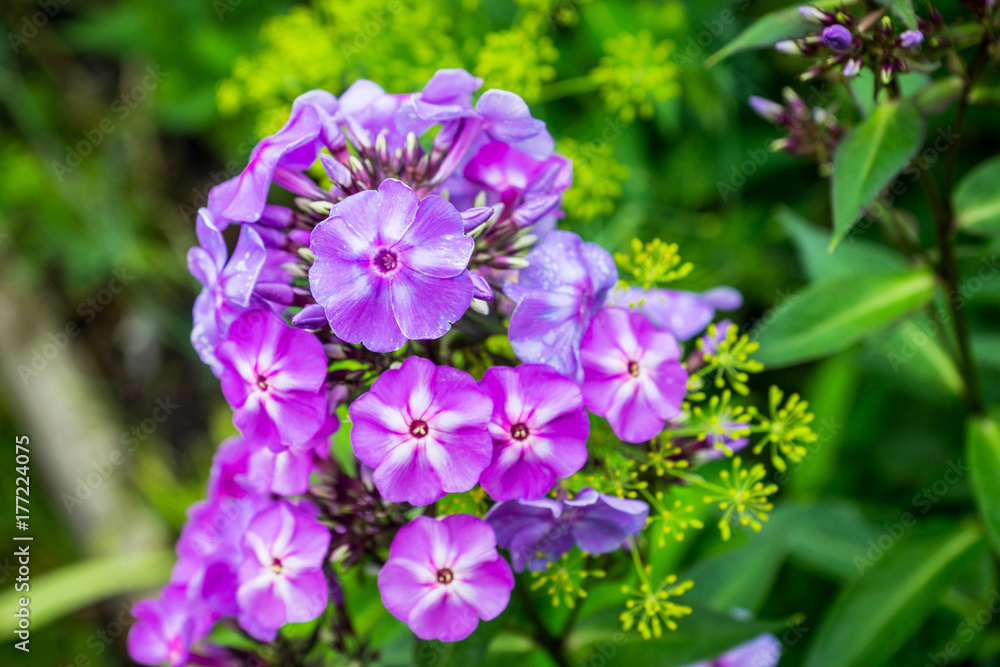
<point x="64" y="591"/>
<point x="903" y="10"/>
<point x="982" y="442"/>
<point x="876" y="615"/>
<point x="869" y="157"/>
<point x="977" y="198"/>
<point x="771" y="28"/>
<point x="832" y="315"/>
<point x="857" y="257"/>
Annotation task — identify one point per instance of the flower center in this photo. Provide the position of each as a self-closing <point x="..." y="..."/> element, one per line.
<point x="385" y="261"/>
<point x="633" y="369"/>
<point x="519" y="431"/>
<point x="445" y="576"/>
<point x="276" y="565"/>
<point x="262" y="382"/>
<point x="418" y="428"/>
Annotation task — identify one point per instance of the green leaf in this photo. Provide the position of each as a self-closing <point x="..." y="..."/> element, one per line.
<point x="913" y="350"/>
<point x="869" y="157"/>
<point x="832" y="315"/>
<point x="982" y="443"/>
<point x="977" y="198"/>
<point x="939" y="95"/>
<point x="876" y="615"/>
<point x="700" y="636"/>
<point x="771" y="28"/>
<point x="855" y="258"/>
<point x="66" y="590"/>
<point x="903" y="9"/>
<point x="828" y="536"/>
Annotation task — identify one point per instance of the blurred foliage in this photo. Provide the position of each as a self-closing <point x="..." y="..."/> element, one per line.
<point x="97" y="180"/>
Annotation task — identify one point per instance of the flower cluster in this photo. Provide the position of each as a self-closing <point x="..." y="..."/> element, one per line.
<point x="844" y="44"/>
<point x="380" y="293"/>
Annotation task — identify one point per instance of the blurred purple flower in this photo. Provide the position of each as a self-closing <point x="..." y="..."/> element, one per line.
<point x="536" y="531"/>
<point x="444" y="575"/>
<point x="684" y="314"/>
<point x="391" y="267"/>
<point x="539" y="430"/>
<point x="910" y="39"/>
<point x="763" y="651"/>
<point x="167" y="627"/>
<point x="423" y="428"/>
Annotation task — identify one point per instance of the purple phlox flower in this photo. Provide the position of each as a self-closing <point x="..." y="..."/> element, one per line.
<point x="762" y="651"/>
<point x="566" y="283"/>
<point x="445" y="97"/>
<point x="423" y="429"/>
<point x="632" y="375"/>
<point x="281" y="573"/>
<point x="227" y="286"/>
<point x="167" y="627"/>
<point x="684" y="314"/>
<point x="539" y="429"/>
<point x="536" y="531"/>
<point x="506" y="117"/>
<point x="444" y="575"/>
<point x="274" y="377"/>
<point x="310" y="127"/>
<point x="287" y="473"/>
<point x="368" y="111"/>
<point x="910" y="39"/>
<point x="391" y="267"/>
<point x="837" y="37"/>
<point x="528" y="188"/>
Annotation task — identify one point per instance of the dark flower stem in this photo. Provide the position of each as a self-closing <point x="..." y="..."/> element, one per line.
<point x="947" y="271"/>
<point x="551" y="643"/>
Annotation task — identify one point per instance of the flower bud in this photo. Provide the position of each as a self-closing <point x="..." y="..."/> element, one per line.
<point x="837" y="37"/>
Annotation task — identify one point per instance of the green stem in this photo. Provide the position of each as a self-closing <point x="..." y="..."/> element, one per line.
<point x="978" y="62"/>
<point x="567" y="87"/>
<point x="947" y="271"/>
<point x="549" y="642"/>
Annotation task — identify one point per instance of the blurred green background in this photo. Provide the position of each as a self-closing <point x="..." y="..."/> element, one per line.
<point x="117" y="117"/>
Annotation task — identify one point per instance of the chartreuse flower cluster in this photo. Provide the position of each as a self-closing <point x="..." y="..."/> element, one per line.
<point x="400" y="43"/>
<point x="375" y="295"/>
